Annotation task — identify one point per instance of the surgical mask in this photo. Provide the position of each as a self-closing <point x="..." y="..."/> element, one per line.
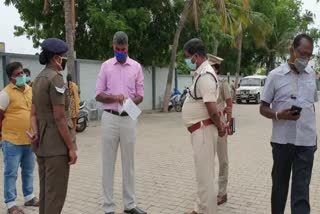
<point x="301" y="64"/>
<point x="120" y="56"/>
<point x="21" y="80"/>
<point x="191" y="65"/>
<point x="28" y="79"/>
<point x="63" y="62"/>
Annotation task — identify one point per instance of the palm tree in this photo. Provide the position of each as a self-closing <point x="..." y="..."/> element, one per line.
<point x="69" y="15"/>
<point x="240" y="17"/>
<point x="190" y="5"/>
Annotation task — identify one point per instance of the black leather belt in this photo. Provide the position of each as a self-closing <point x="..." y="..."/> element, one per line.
<point x="123" y="114"/>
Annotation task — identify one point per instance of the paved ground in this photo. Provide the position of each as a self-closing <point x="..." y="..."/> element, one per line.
<point x="165" y="180"/>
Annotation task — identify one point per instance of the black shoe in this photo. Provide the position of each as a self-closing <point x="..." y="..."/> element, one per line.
<point x="110" y="213"/>
<point x="135" y="210"/>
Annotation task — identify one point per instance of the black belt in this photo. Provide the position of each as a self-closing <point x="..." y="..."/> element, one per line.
<point x="123" y="114"/>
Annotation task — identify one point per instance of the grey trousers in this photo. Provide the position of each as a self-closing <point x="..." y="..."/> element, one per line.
<point x="118" y="130"/>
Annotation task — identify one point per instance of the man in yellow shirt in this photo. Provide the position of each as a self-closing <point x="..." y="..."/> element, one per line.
<point x="15" y="109"/>
<point x="74" y="100"/>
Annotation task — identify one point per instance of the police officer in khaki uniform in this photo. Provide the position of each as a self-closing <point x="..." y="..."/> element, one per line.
<point x="224" y="104"/>
<point x="53" y="138"/>
<point x="201" y="117"/>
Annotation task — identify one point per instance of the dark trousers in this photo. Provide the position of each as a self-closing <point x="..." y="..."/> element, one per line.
<point x="54" y="176"/>
<point x="288" y="158"/>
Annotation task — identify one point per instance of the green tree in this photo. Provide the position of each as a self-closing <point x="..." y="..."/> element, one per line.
<point x="150" y="25"/>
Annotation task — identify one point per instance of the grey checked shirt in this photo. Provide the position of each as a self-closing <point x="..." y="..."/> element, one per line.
<point x="285" y="88"/>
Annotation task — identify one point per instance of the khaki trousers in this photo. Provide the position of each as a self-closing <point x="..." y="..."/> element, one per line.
<point x="222" y="153"/>
<point x="204" y="142"/>
<point x="117" y="131"/>
<point x="53" y="176"/>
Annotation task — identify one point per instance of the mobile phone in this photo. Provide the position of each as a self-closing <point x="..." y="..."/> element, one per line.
<point x="29" y="134"/>
<point x="297" y="109"/>
<point x="233" y="125"/>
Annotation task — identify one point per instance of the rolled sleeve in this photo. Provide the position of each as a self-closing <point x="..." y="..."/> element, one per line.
<point x="101" y="80"/>
<point x="207" y="88"/>
<point x="4" y="100"/>
<point x="268" y="90"/>
<point x="140" y="83"/>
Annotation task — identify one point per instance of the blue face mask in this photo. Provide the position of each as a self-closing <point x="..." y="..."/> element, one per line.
<point x="191" y="65"/>
<point x="120" y="56"/>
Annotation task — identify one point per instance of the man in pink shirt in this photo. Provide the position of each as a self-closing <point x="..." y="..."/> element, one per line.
<point x="120" y="78"/>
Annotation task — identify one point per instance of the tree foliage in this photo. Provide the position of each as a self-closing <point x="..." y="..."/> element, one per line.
<point x="150" y="25"/>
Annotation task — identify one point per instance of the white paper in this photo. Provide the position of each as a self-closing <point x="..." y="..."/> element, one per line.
<point x="131" y="108"/>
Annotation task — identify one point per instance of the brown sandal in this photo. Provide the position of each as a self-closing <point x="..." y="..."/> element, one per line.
<point x="32" y="203"/>
<point x="15" y="210"/>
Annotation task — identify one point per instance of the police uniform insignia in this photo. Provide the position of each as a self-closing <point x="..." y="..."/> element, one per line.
<point x="60" y="90"/>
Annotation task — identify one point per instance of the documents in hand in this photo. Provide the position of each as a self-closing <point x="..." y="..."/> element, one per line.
<point x="131" y="108"/>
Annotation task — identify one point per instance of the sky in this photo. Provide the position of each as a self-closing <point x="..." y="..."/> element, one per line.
<point x="9" y="17"/>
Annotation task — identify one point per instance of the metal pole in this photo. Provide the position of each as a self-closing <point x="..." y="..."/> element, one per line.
<point x="153" y="86"/>
<point x="176" y="78"/>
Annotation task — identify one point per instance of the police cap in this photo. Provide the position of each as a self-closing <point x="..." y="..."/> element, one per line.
<point x="54" y="45"/>
<point x="214" y="59"/>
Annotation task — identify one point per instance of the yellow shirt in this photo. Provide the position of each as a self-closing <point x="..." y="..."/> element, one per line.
<point x="16" y="105"/>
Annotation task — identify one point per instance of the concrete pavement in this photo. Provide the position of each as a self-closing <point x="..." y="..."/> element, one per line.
<point x="165" y="181"/>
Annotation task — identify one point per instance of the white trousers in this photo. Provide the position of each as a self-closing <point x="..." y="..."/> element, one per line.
<point x="118" y="130"/>
<point x="204" y="141"/>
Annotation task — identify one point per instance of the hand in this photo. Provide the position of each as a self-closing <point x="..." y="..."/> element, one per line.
<point x="228" y="129"/>
<point x="72" y="157"/>
<point x="121" y="98"/>
<point x="227" y="110"/>
<point x="35" y="139"/>
<point x="222" y="130"/>
<point x="288" y="114"/>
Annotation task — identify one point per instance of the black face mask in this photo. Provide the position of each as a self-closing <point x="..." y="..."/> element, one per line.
<point x="64" y="63"/>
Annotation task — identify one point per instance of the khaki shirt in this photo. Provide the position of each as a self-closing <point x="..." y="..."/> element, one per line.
<point x="224" y="94"/>
<point x="49" y="90"/>
<point x="194" y="111"/>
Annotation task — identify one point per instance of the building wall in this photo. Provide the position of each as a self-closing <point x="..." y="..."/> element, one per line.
<point x="88" y="72"/>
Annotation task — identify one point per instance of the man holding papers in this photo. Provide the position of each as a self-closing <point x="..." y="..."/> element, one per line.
<point x="120" y="81"/>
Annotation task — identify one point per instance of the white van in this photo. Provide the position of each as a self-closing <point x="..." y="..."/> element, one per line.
<point x="250" y="88"/>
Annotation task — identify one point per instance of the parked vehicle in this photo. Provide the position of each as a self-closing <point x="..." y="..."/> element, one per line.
<point x="82" y="121"/>
<point x="175" y="100"/>
<point x="250" y="89"/>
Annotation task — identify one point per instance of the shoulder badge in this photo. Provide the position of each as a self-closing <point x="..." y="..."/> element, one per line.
<point x="60" y="90"/>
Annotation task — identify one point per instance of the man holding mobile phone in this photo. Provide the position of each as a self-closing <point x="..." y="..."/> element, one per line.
<point x="288" y="99"/>
<point x="15" y="109"/>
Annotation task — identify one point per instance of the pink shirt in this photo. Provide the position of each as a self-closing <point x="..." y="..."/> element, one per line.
<point x="115" y="79"/>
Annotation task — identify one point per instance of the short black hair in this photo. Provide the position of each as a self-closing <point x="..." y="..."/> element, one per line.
<point x="297" y="39"/>
<point x="26" y="71"/>
<point x="195" y="46"/>
<point x="11" y="67"/>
